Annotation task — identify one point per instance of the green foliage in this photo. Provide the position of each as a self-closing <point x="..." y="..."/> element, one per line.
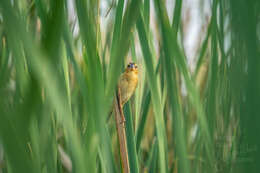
<point x="57" y="88"/>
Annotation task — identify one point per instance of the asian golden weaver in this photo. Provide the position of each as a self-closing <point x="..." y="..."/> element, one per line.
<point x="127" y="83"/>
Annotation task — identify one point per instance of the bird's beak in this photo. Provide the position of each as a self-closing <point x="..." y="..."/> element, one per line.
<point x="132" y="69"/>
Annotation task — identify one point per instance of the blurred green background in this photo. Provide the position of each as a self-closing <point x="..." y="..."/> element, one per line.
<point x="196" y="108"/>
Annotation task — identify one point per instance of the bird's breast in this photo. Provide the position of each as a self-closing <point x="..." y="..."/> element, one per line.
<point x="127" y="85"/>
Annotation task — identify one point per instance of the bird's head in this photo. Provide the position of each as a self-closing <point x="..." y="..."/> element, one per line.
<point x="132" y="67"/>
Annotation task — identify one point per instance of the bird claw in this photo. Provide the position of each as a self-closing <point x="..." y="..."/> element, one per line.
<point x="122" y="120"/>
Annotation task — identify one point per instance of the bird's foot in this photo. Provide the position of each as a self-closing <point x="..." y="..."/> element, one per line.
<point x="122" y="120"/>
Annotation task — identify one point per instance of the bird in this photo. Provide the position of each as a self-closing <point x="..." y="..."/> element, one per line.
<point x="127" y="84"/>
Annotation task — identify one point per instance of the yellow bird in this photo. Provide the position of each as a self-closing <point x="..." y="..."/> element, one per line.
<point x="127" y="82"/>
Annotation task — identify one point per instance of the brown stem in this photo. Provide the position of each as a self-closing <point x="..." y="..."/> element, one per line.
<point x="120" y="126"/>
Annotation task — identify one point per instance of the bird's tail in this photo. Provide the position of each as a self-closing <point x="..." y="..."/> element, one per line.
<point x="109" y="115"/>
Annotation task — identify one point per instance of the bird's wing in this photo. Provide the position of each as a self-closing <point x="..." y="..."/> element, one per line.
<point x="123" y="85"/>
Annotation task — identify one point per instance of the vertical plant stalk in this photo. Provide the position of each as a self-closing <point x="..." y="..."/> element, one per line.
<point x="120" y="127"/>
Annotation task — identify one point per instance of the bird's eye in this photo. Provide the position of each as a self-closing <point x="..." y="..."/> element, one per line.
<point x="135" y="66"/>
<point x="128" y="65"/>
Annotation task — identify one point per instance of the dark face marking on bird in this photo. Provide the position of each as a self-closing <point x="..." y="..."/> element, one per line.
<point x="132" y="66"/>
